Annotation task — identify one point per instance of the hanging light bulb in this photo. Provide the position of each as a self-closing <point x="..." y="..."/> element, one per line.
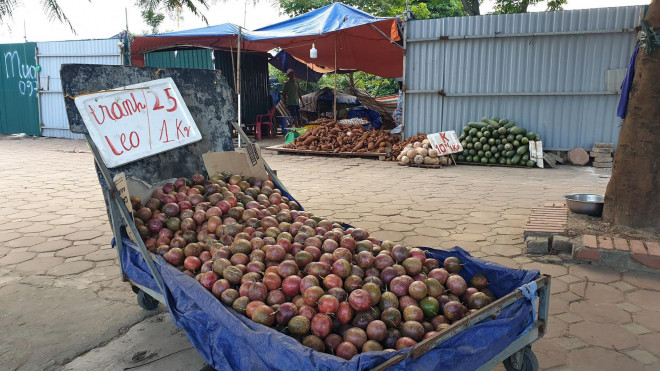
<point x="175" y="53"/>
<point x="313" y="53"/>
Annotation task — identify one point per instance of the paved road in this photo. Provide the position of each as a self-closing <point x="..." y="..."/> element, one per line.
<point x="64" y="306"/>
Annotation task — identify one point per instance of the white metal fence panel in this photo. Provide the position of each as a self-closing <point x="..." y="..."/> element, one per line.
<point x="51" y="56"/>
<point x="552" y="72"/>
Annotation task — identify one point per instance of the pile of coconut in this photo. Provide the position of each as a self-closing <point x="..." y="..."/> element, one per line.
<point x="421" y="153"/>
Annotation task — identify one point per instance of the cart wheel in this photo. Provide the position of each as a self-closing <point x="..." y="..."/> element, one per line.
<point x="528" y="361"/>
<point x="145" y="301"/>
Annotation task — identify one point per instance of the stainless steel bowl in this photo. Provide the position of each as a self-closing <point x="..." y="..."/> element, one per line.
<point x="585" y="203"/>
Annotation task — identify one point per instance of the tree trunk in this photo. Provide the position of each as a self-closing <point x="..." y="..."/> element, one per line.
<point x="475" y="7"/>
<point x="524" y="6"/>
<point x="632" y="197"/>
<point x="471" y="7"/>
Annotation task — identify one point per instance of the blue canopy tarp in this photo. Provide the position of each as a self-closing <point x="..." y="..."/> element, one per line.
<point x="283" y="61"/>
<point x="355" y="39"/>
<point x="344" y="35"/>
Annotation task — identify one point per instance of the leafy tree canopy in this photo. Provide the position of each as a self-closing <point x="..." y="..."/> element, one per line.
<point x="382" y="8"/>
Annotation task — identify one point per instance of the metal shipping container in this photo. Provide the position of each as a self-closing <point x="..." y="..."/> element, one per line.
<point x="19" y="106"/>
<point x="51" y="56"/>
<point x="555" y="73"/>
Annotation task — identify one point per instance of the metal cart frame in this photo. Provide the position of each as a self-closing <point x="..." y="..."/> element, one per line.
<point x="516" y="356"/>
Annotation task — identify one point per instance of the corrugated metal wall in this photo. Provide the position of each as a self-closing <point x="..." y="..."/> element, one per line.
<point x="19" y="109"/>
<point x="193" y="58"/>
<point x="254" y="73"/>
<point x="255" y="97"/>
<point x="51" y="56"/>
<point x="555" y="73"/>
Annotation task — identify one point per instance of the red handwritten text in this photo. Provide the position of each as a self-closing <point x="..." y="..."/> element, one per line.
<point x="117" y="111"/>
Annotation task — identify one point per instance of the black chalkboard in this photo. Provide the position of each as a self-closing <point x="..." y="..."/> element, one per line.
<point x="205" y="92"/>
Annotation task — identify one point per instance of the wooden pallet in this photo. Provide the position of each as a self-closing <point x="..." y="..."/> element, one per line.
<point x="281" y="149"/>
<point x="427" y="166"/>
<point x="496" y="165"/>
<point x="547" y="221"/>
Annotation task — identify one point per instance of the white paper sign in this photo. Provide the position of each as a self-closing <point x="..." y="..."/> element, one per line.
<point x="445" y="142"/>
<point x="536" y="152"/>
<point x="137" y="121"/>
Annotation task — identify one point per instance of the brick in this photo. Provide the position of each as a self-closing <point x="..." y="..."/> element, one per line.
<point x="602" y="160"/>
<point x="546" y="224"/>
<point x="601" y="150"/>
<point x="601" y="157"/>
<point x="637" y="247"/>
<point x="650" y="261"/>
<point x="636" y="328"/>
<point x="615" y="258"/>
<point x="548" y="219"/>
<point x="621" y="244"/>
<point x="653" y="248"/>
<point x="569" y="342"/>
<point x="16" y="257"/>
<point x="562" y="244"/>
<point x="590" y="241"/>
<point x="605" y="243"/>
<point x="537" y="245"/>
<point x="39" y="265"/>
<point x="602" y="164"/>
<point x="595" y="273"/>
<point x="642" y="356"/>
<point x="604" y="335"/>
<point x="540" y="228"/>
<point x="588" y="254"/>
<point x="70" y="268"/>
<point x="578" y="156"/>
<point x="603" y="145"/>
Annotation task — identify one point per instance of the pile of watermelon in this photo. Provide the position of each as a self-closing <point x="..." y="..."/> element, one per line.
<point x="496" y="141"/>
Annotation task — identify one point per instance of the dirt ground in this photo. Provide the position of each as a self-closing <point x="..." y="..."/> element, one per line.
<point x="579" y="225"/>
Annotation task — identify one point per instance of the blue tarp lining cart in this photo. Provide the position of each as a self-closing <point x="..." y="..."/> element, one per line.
<point x="501" y="332"/>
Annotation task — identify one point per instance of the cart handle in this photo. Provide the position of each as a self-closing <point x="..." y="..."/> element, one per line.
<point x="542" y="283"/>
<point x="270" y="171"/>
<point x="115" y="200"/>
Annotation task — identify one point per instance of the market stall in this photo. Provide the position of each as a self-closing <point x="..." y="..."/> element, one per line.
<point x="342" y="37"/>
<point x="320" y="104"/>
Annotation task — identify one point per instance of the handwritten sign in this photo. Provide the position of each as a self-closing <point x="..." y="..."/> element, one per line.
<point x="137" y="121"/>
<point x="445" y="142"/>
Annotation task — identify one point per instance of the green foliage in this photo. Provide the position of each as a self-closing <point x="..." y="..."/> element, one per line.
<point x="153" y="19"/>
<point x="382" y="8"/>
<point x="55" y="13"/>
<point x="173" y="6"/>
<point x="375" y="7"/>
<point x="50" y="7"/>
<point x="374" y="85"/>
<point x="420" y="9"/>
<point x="520" y="6"/>
<point x="554" y="5"/>
<point x="430" y="9"/>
